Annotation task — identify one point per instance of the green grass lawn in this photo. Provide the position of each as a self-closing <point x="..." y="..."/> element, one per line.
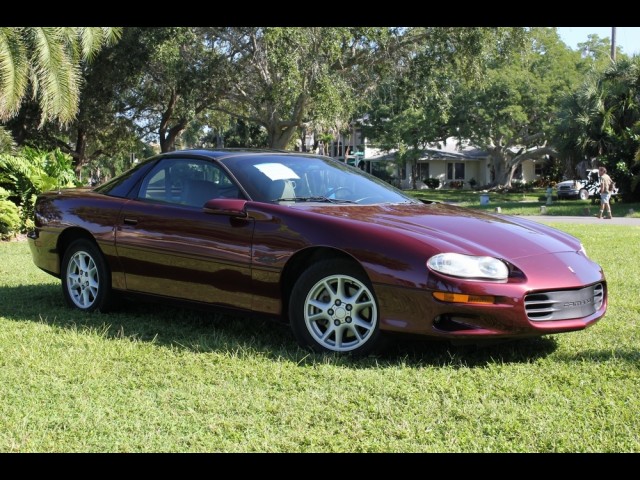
<point x="149" y="378"/>
<point x="525" y="204"/>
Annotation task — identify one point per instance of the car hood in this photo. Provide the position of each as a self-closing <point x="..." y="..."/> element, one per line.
<point x="459" y="229"/>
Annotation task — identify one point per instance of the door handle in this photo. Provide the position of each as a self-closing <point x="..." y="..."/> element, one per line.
<point x="130" y="221"/>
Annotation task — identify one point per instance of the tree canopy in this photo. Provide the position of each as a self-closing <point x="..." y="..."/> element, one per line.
<point x="512" y="91"/>
<point x="512" y="111"/>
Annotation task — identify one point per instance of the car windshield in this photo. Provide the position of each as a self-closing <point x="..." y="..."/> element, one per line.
<point x="288" y="178"/>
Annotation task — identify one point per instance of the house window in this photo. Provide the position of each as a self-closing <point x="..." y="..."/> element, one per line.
<point x="518" y="173"/>
<point x="455" y="171"/>
<point x="423" y="171"/>
<point x="538" y="168"/>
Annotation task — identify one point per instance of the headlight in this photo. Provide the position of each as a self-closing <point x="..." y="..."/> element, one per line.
<point x="468" y="266"/>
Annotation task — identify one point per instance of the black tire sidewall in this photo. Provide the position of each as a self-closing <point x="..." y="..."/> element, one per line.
<point x="300" y="291"/>
<point x="104" y="278"/>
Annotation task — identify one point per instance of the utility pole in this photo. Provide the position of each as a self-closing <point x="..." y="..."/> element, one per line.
<point x="613" y="44"/>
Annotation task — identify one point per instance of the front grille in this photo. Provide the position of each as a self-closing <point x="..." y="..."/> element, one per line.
<point x="565" y="304"/>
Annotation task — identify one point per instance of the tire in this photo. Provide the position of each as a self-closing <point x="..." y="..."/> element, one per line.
<point x="333" y="309"/>
<point x="86" y="282"/>
<point x="584" y="194"/>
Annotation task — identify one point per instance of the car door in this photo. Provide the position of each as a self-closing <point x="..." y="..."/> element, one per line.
<point x="169" y="246"/>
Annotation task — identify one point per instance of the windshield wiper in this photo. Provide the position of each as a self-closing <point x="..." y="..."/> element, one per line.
<point x="313" y="199"/>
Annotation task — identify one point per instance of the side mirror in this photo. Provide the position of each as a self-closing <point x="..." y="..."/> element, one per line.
<point x="232" y="207"/>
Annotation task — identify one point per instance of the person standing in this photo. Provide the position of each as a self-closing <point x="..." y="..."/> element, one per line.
<point x="606" y="187"/>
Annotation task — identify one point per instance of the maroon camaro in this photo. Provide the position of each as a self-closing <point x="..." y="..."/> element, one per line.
<point x="342" y="256"/>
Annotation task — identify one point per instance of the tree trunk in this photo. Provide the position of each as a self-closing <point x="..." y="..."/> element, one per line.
<point x="279" y="137"/>
<point x="303" y="138"/>
<point x="505" y="166"/>
<point x="168" y="137"/>
<point x="502" y="174"/>
<point x="414" y="173"/>
<point x="80" y="157"/>
<point x="281" y="132"/>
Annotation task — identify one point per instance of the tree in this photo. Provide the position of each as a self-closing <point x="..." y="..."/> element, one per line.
<point x="596" y="52"/>
<point x="186" y="73"/>
<point x="511" y="113"/>
<point x="45" y="62"/>
<point x="413" y="104"/>
<point x="287" y="76"/>
<point x="99" y="130"/>
<point x="601" y="122"/>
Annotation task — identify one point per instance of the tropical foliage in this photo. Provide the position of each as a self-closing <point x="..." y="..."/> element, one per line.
<point x="24" y="176"/>
<point x="44" y="62"/>
<point x="600" y="124"/>
<point x="7" y="144"/>
<point x="9" y="216"/>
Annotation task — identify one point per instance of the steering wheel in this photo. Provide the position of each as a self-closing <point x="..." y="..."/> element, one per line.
<point x="332" y="191"/>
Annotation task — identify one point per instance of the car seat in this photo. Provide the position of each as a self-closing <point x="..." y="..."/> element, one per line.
<point x="281" y="189"/>
<point x="196" y="192"/>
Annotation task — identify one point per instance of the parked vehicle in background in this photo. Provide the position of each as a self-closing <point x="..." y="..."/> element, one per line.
<point x="583" y="189"/>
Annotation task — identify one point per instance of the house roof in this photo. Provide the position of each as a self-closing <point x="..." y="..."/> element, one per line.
<point x="449" y="150"/>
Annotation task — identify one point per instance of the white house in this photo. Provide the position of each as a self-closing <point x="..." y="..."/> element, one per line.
<point x="455" y="165"/>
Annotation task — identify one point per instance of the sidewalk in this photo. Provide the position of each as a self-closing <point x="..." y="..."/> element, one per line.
<point x="584" y="220"/>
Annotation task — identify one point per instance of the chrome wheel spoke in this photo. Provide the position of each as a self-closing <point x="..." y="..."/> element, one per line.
<point x="355" y="332"/>
<point x="339" y="337"/>
<point x="354" y="298"/>
<point x="358" y="322"/>
<point x="325" y="336"/>
<point x="322" y="306"/>
<point x="340" y="313"/>
<point x="83" y="279"/>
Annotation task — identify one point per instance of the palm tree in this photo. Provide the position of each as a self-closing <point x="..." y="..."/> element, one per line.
<point x="602" y="120"/>
<point x="44" y="62"/>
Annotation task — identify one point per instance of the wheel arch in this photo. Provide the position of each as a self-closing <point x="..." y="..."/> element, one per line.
<point x="301" y="260"/>
<point x="70" y="235"/>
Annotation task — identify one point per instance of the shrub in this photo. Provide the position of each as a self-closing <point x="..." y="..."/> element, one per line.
<point x="24" y="176"/>
<point x="432" y="183"/>
<point x="9" y="219"/>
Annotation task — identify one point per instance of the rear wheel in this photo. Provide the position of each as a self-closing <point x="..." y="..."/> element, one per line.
<point x="333" y="309"/>
<point x="86" y="283"/>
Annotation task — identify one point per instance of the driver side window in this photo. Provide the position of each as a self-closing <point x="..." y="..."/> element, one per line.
<point x="190" y="182"/>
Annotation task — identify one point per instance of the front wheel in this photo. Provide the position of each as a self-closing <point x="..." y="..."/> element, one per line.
<point x="333" y="309"/>
<point x="584" y="194"/>
<point x="86" y="283"/>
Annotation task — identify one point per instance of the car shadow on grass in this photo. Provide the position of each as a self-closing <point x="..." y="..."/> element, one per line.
<point x="198" y="331"/>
